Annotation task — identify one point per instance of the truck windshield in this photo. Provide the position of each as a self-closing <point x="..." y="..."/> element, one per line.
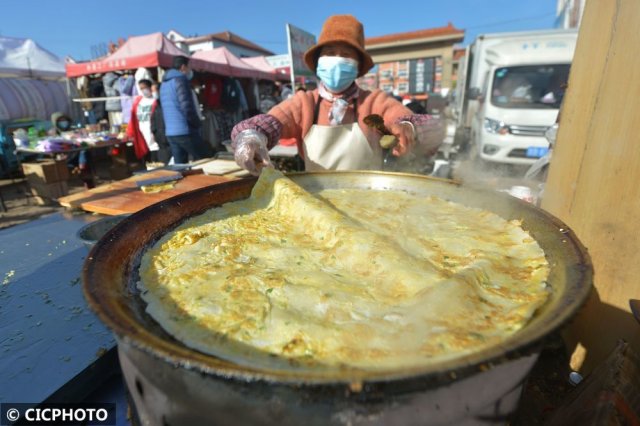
<point x="531" y="86"/>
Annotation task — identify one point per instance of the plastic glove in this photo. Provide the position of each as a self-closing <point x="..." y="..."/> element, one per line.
<point x="405" y="133"/>
<point x="250" y="151"/>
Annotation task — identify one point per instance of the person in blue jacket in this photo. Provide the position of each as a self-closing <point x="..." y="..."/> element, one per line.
<point x="182" y="124"/>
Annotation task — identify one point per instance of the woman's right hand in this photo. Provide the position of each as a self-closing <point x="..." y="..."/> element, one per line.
<point x="250" y="151"/>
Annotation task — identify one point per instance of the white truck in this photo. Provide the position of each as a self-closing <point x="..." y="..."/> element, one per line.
<point x="510" y="87"/>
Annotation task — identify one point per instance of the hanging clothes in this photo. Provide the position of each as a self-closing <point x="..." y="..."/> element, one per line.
<point x="233" y="97"/>
<point x="244" y="105"/>
<point x="230" y="95"/>
<point x="196" y="104"/>
<point x="251" y="94"/>
<point x="111" y="89"/>
<point x="127" y="87"/>
<point x="225" y="123"/>
<point x="96" y="90"/>
<point x="211" y="131"/>
<point x="212" y="93"/>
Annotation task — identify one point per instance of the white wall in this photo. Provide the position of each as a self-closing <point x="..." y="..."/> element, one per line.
<point x="239" y="51"/>
<point x="205" y="45"/>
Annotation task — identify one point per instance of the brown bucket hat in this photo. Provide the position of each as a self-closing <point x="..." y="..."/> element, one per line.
<point x="344" y="28"/>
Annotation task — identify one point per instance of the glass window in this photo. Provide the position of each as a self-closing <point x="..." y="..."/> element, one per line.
<point x="531" y="86"/>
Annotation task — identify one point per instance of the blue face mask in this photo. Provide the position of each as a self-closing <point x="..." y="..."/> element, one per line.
<point x="337" y="73"/>
<point x="190" y="75"/>
<point x="63" y="125"/>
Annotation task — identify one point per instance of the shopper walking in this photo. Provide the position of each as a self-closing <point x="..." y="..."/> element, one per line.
<point x="182" y="124"/>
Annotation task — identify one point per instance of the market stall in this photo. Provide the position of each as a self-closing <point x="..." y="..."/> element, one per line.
<point x="223" y="82"/>
<point x="146" y="51"/>
<point x="259" y="62"/>
<point x="226" y="86"/>
<point x="232" y="66"/>
<point x="229" y="93"/>
<point x="32" y="87"/>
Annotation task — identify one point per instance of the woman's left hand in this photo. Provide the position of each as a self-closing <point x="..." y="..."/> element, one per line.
<point x="404" y="133"/>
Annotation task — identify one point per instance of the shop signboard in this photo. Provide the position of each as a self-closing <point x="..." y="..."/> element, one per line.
<point x="421" y="75"/>
<point x="279" y="61"/>
<point x="299" y="42"/>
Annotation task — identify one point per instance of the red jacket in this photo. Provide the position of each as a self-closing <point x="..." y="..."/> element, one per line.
<point x="133" y="129"/>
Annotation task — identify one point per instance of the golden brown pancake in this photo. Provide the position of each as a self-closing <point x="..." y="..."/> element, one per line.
<point x="363" y="278"/>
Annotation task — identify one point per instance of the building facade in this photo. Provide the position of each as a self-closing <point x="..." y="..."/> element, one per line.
<point x="237" y="45"/>
<point x="413" y="63"/>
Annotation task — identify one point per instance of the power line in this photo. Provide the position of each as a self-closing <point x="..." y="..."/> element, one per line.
<point x="279" y="43"/>
<point x="493" y="24"/>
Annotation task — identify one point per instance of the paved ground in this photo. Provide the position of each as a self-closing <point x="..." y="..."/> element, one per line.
<point x="23" y="207"/>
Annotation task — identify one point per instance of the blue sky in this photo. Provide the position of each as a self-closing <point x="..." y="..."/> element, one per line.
<point x="71" y="27"/>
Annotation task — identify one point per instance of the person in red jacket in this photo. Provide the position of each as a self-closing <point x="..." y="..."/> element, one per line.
<point x="139" y="128"/>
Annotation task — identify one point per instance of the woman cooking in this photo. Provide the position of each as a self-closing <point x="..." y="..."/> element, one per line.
<point x="329" y="123"/>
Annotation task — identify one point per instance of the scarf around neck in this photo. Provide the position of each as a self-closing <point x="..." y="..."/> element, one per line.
<point x="339" y="102"/>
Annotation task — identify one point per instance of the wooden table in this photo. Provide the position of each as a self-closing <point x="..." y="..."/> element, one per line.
<point x="124" y="196"/>
<point x="86" y="147"/>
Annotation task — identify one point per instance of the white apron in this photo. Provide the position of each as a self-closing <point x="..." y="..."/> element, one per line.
<point x="342" y="147"/>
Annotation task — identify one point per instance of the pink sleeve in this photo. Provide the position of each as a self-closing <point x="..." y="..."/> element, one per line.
<point x="283" y="121"/>
<point x="429" y="132"/>
<point x="264" y="123"/>
<point x="389" y="108"/>
<point x="290" y="114"/>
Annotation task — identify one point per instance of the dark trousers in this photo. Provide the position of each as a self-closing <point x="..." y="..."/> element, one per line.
<point x="184" y="146"/>
<point x="152" y="157"/>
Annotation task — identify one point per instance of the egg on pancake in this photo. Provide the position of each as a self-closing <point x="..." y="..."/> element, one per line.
<point x="369" y="279"/>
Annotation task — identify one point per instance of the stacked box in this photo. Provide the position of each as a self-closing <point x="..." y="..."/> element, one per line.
<point x="46" y="171"/>
<point x="45" y="193"/>
<point x="47" y="179"/>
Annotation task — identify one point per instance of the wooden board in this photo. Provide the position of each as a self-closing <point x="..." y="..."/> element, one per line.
<point x="594" y="174"/>
<point x="124" y="196"/>
<point x="219" y="167"/>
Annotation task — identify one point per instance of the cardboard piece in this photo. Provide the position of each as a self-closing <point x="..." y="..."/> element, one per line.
<point x="49" y="191"/>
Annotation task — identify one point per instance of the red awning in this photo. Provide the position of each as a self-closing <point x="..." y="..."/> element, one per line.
<point x="231" y="64"/>
<point x="146" y="51"/>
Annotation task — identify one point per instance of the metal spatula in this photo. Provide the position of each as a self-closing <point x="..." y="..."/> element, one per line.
<point x="388" y="140"/>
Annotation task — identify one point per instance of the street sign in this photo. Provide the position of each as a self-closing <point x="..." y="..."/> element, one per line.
<point x="299" y="42"/>
<point x="421" y="75"/>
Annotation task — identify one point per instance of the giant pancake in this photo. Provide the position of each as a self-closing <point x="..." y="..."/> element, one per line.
<point x="369" y="279"/>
